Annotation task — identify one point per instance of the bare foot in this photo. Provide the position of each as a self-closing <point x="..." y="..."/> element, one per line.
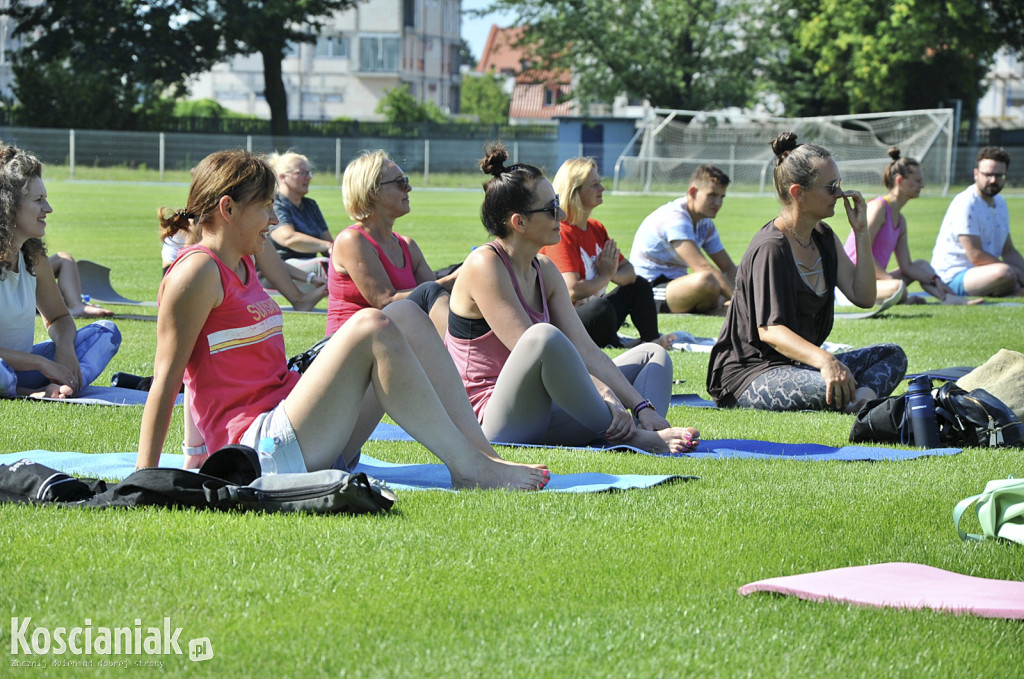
<point x="90" y="311"/>
<point x="674" y="440"/>
<point x="667" y="340"/>
<point x="54" y="391"/>
<point x="488" y="472"/>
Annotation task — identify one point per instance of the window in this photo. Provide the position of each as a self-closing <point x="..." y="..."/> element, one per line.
<point x="549" y="96"/>
<point x="378" y="53"/>
<point x="332" y="47"/>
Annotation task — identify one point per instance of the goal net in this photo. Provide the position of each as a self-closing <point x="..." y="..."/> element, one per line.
<point x="670" y="144"/>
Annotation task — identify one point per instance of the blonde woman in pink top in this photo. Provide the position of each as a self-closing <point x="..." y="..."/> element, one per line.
<point x="888" y="229"/>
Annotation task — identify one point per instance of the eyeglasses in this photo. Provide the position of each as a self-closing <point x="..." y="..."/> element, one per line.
<point x="834" y="188"/>
<point x="998" y="176"/>
<point x="554" y="209"/>
<point x="302" y="173"/>
<point x="403" y="182"/>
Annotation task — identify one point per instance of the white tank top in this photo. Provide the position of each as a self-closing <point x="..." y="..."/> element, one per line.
<point x="18" y="307"/>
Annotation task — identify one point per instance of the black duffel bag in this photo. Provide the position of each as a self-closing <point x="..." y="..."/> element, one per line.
<point x="975" y="418"/>
<point x="228" y="480"/>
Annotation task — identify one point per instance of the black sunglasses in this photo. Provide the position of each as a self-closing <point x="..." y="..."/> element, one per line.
<point x="553" y="209"/>
<point x="403" y="182"/>
<point x="834" y="188"/>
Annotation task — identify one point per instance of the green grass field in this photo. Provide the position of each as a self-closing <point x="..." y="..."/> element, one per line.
<point x="491" y="583"/>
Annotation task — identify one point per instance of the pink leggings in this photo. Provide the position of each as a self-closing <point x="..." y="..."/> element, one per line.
<point x="544" y="394"/>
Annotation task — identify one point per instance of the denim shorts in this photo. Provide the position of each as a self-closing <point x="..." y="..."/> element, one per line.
<point x="275" y="424"/>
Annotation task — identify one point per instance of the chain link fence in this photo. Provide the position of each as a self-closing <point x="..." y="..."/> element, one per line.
<point x="171" y="151"/>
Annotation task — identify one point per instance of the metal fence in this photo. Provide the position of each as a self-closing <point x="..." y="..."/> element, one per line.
<point x="176" y="151"/>
<point x="167" y="151"/>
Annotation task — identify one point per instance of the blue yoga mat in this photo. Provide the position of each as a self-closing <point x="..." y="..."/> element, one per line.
<point x="399" y="476"/>
<point x="732" y="448"/>
<point x="108" y="396"/>
<point x="692" y="400"/>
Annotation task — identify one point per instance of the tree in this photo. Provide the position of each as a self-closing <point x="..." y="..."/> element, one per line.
<point x="102" y="62"/>
<point x="485" y="97"/>
<point x="399" y="106"/>
<point x="883" y="55"/>
<point x="155" y="45"/>
<point x="267" y="27"/>
<point x="692" y="54"/>
<point x="466" y="57"/>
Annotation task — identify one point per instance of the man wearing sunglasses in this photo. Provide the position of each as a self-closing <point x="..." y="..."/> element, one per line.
<point x="667" y="249"/>
<point x="974" y="253"/>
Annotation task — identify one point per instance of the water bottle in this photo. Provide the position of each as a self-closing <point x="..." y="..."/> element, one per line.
<point x="268" y="465"/>
<point x="921" y="411"/>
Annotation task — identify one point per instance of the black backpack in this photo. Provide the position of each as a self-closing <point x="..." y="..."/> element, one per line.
<point x="229" y="479"/>
<point x="975" y="418"/>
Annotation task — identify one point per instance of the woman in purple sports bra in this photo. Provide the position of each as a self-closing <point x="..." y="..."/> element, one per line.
<point x="532" y="372"/>
<point x="888" y="230"/>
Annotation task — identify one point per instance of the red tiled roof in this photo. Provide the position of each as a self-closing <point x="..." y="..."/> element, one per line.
<point x="528" y="101"/>
<point x="500" y="55"/>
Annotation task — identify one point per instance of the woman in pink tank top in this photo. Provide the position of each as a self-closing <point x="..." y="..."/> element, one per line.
<point x="371" y="265"/>
<point x="888" y="230"/>
<point x="221" y="333"/>
<point x="532" y="372"/>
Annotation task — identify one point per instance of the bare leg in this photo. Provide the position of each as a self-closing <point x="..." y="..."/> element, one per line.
<point x="696" y="292"/>
<point x="370" y="350"/>
<point x="438" y="316"/>
<point x="70" y="283"/>
<point x="990" y="280"/>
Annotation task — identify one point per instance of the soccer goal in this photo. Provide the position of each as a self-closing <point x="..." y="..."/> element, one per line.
<point x="670" y="144"/>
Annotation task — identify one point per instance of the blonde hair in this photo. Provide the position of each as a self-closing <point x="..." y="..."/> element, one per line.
<point x="361" y="183"/>
<point x="567" y="183"/>
<point x="283" y="163"/>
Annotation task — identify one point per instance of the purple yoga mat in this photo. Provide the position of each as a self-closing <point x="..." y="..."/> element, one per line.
<point x="903" y="585"/>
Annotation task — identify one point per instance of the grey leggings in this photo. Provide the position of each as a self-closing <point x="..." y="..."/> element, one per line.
<point x="545" y="395"/>
<point x="879" y="367"/>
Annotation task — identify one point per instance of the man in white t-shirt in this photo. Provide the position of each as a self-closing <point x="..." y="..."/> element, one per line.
<point x="974" y="253"/>
<point x="667" y="249"/>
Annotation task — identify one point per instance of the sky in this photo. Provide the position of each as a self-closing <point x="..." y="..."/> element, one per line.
<point x="475" y="30"/>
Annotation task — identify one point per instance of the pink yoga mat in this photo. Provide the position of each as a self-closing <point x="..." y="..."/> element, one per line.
<point x="903" y="585"/>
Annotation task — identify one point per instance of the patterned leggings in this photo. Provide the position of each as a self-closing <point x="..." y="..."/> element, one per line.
<point x="880" y="367"/>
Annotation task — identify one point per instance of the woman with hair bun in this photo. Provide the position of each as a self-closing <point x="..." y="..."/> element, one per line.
<point x="768" y="355"/>
<point x="220" y="332"/>
<point x="888" y="230"/>
<point x="532" y="372"/>
<point x="71" y="358"/>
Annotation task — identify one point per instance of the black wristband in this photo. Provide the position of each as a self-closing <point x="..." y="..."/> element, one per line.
<point x="640" y="406"/>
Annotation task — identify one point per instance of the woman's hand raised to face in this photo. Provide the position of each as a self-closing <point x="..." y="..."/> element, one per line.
<point x="857" y="213"/>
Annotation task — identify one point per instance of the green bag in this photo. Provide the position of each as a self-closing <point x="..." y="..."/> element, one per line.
<point x="1000" y="511"/>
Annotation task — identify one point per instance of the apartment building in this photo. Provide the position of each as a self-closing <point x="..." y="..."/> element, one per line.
<point x="360" y="54"/>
